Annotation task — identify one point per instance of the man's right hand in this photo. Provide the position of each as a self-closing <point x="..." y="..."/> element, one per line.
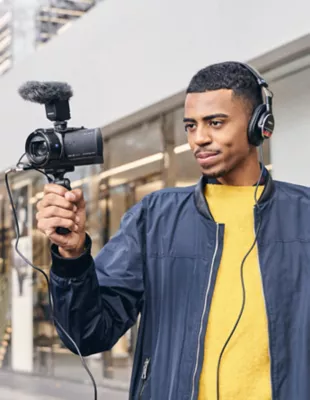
<point x="62" y="208"/>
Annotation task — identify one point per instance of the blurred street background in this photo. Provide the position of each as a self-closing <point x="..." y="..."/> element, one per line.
<point x="128" y="63"/>
<point x="20" y="387"/>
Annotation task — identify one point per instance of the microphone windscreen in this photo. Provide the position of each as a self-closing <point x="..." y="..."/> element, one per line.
<point x="45" y="92"/>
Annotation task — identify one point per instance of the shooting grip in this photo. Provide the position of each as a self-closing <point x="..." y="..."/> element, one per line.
<point x="65" y="183"/>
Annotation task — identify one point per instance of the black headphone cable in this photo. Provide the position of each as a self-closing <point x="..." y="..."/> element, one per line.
<point x="242" y="280"/>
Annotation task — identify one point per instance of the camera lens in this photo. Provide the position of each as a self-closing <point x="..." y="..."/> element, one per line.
<point x="43" y="147"/>
<point x="39" y="149"/>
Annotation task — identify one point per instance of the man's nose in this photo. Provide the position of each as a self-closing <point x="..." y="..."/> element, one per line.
<point x="202" y="136"/>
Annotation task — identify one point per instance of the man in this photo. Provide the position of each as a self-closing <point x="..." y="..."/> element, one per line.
<point x="223" y="316"/>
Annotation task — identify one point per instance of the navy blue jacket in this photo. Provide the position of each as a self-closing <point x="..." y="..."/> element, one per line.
<point x="163" y="263"/>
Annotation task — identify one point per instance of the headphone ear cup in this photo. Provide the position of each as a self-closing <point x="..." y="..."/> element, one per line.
<point x="254" y="131"/>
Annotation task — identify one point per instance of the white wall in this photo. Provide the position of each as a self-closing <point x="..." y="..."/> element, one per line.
<point x="126" y="55"/>
<point x="290" y="146"/>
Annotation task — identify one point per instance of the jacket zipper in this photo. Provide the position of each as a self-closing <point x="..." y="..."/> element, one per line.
<point x="262" y="286"/>
<point x="204" y="310"/>
<point x="144" y="376"/>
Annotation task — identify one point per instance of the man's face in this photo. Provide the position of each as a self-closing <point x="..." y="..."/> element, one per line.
<point x="216" y="123"/>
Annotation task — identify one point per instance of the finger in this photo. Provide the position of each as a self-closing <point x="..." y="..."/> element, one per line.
<point x="52" y="199"/>
<point x="56" y="189"/>
<point x="60" y="240"/>
<point x="49" y="232"/>
<point x="64" y="241"/>
<point x="77" y="196"/>
<point x="39" y="205"/>
<point x="47" y="224"/>
<point x="54" y="211"/>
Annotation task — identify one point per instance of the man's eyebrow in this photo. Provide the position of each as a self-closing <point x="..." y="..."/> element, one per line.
<point x="207" y="117"/>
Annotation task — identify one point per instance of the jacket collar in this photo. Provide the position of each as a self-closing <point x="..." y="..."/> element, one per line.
<point x="201" y="202"/>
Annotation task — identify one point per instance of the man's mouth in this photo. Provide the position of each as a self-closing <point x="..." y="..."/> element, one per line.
<point x="206" y="154"/>
<point x="205" y="158"/>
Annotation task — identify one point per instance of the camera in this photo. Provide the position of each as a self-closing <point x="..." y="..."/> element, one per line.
<point x="54" y="148"/>
<point x="60" y="147"/>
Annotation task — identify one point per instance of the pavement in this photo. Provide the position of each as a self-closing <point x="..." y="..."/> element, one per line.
<point x="27" y="387"/>
<point x="68" y="366"/>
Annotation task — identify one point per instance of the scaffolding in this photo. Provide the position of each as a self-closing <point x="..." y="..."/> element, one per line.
<point x="26" y="26"/>
<point x="57" y="15"/>
<point x="5" y="37"/>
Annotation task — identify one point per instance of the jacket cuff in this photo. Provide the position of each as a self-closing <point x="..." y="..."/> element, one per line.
<point x="71" y="267"/>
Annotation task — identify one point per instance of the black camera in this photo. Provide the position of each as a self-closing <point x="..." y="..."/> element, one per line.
<point x="60" y="147"/>
<point x="54" y="149"/>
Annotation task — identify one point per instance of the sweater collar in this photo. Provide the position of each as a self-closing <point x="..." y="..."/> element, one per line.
<point x="200" y="199"/>
<point x="262" y="181"/>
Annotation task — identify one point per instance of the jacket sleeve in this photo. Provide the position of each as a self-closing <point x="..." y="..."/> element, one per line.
<point x="97" y="301"/>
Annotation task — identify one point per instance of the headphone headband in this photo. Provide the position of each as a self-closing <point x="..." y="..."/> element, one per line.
<point x="267" y="94"/>
<point x="260" y="80"/>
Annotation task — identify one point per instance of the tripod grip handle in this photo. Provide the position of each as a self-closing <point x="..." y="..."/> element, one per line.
<point x="62" y="231"/>
<point x="65" y="183"/>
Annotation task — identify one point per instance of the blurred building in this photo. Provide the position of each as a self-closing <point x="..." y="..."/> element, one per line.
<point x="129" y="63"/>
<point x="27" y="24"/>
<point x="53" y="16"/>
<point x="23" y="22"/>
<point x="17" y="31"/>
<point x="6" y="33"/>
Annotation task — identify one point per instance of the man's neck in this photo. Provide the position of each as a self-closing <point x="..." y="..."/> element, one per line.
<point x="245" y="175"/>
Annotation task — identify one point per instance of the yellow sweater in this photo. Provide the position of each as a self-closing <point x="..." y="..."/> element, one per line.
<point x="245" y="365"/>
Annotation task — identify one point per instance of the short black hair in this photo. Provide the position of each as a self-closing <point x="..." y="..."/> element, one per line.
<point x="228" y="75"/>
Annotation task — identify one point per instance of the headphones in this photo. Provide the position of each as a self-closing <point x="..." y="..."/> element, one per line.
<point x="261" y="125"/>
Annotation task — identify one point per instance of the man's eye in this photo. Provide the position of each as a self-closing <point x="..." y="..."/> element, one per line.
<point x="216" y="124"/>
<point x="189" y="127"/>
